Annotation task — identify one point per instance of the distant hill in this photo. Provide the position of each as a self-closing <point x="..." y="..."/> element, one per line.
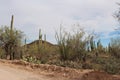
<point x="43" y="42"/>
<point x="47" y="50"/>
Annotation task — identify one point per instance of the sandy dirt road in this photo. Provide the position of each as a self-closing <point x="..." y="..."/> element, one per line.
<point x="11" y="73"/>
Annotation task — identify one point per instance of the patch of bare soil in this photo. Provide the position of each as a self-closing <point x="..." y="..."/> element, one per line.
<point x="96" y="75"/>
<point x="52" y="72"/>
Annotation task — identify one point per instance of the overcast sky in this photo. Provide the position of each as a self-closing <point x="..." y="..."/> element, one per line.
<point x="30" y="15"/>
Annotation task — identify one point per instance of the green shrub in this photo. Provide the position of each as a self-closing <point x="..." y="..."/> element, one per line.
<point x="72" y="46"/>
<point x="114" y="47"/>
<point x="112" y="66"/>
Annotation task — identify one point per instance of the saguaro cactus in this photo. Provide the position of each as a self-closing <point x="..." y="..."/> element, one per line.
<point x="11" y="27"/>
<point x="11" y="38"/>
<point x="40" y="40"/>
<point x="12" y="22"/>
<point x="92" y="44"/>
<point x="25" y="47"/>
<point x="44" y="40"/>
<point x="40" y="36"/>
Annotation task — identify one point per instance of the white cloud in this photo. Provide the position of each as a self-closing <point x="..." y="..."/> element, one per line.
<point x="30" y="15"/>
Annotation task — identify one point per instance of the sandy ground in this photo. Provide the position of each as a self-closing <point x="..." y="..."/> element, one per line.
<point x="12" y="70"/>
<point x="11" y="73"/>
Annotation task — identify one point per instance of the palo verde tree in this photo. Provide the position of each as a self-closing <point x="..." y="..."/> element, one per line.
<point x="10" y="40"/>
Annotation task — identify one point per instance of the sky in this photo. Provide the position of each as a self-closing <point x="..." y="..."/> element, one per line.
<point x="32" y="15"/>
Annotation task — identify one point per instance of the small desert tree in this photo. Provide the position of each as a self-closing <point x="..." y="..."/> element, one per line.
<point x="11" y="45"/>
<point x="10" y="40"/>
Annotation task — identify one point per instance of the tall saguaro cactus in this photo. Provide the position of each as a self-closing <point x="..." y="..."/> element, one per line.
<point x="11" y="38"/>
<point x="12" y="22"/>
<point x="11" y="27"/>
<point x="40" y="40"/>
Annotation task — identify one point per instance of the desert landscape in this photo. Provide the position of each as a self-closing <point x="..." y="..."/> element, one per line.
<point x="60" y="40"/>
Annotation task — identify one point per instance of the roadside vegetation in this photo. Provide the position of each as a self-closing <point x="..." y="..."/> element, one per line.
<point x="76" y="49"/>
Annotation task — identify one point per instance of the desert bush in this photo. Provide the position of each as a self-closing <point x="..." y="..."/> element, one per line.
<point x="71" y="64"/>
<point x="2" y="53"/>
<point x="62" y="40"/>
<point x="109" y="65"/>
<point x="112" y="66"/>
<point x="115" y="47"/>
<point x="72" y="46"/>
<point x="31" y="59"/>
<point x="99" y="60"/>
